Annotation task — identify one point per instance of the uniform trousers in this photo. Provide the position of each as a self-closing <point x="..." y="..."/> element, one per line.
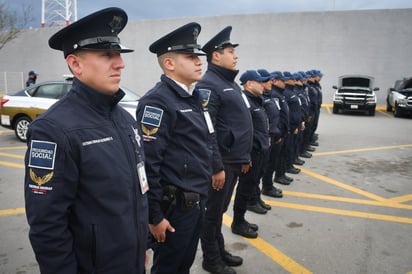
<point x="270" y="165"/>
<point x="248" y="182"/>
<point x="177" y="253"/>
<point x="283" y="156"/>
<point x="212" y="241"/>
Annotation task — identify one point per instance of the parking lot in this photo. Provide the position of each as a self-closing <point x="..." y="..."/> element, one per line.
<point x="348" y="211"/>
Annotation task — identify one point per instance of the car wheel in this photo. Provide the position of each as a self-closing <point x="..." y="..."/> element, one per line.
<point x="371" y="112"/>
<point x="21" y="127"/>
<point x="335" y="109"/>
<point x="396" y="111"/>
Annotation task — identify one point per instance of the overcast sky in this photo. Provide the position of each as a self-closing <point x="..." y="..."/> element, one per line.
<point x="157" y="9"/>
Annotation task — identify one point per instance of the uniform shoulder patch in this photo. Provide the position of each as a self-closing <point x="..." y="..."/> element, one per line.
<point x="152" y="116"/>
<point x="42" y="154"/>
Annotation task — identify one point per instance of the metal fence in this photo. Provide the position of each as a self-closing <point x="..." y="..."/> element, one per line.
<point x="11" y="81"/>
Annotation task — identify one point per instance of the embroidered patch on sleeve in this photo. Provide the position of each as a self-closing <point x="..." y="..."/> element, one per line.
<point x="42" y="154"/>
<point x="152" y="116"/>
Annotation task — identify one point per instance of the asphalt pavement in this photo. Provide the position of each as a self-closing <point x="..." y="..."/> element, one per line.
<point x="348" y="211"/>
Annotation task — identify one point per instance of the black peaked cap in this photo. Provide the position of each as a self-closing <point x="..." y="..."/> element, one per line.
<point x="97" y="31"/>
<point x="219" y="41"/>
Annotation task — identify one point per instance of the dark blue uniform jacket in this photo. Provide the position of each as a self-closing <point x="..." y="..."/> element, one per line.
<point x="272" y="108"/>
<point x="84" y="204"/>
<point x="178" y="144"/>
<point x="261" y="139"/>
<point x="230" y="115"/>
<point x="295" y="115"/>
<point x="277" y="93"/>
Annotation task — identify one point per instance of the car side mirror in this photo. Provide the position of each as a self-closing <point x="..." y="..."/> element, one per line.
<point x="335" y="87"/>
<point x="376" y="89"/>
<point x="392" y="89"/>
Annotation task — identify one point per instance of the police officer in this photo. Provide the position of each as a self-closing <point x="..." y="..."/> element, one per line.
<point x="295" y="121"/>
<point x="276" y="131"/>
<point x="85" y="182"/>
<point x="280" y="164"/>
<point x="233" y="125"/>
<point x="177" y="133"/>
<point x="315" y="98"/>
<point x="252" y="83"/>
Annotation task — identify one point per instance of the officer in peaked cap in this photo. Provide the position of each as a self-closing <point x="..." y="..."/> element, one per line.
<point x="85" y="192"/>
<point x="97" y="31"/>
<point x="181" y="40"/>
<point x="219" y="41"/>
<point x="232" y="120"/>
<point x="177" y="134"/>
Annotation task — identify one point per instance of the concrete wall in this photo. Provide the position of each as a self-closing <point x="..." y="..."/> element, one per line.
<point x="374" y="42"/>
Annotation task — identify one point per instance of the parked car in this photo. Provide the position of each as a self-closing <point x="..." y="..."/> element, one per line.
<point x="355" y="93"/>
<point x="399" y="98"/>
<point x="19" y="109"/>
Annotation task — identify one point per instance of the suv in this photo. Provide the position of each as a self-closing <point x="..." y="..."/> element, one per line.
<point x="355" y="93"/>
<point x="399" y="99"/>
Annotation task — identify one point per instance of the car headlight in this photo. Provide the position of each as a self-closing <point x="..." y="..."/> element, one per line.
<point x="403" y="102"/>
<point x="338" y="98"/>
<point x="371" y="99"/>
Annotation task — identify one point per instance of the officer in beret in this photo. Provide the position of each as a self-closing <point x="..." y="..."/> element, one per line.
<point x="85" y="180"/>
<point x="273" y="110"/>
<point x="231" y="118"/>
<point x="32" y="77"/>
<point x="178" y="138"/>
<point x="252" y="83"/>
<point x="295" y="121"/>
<point x="279" y="163"/>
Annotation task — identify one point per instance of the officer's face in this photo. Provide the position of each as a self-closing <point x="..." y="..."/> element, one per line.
<point x="267" y="85"/>
<point x="255" y="87"/>
<point x="279" y="83"/>
<point x="101" y="70"/>
<point x="227" y="58"/>
<point x="184" y="68"/>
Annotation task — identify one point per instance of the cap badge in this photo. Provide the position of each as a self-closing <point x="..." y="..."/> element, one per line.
<point x="116" y="24"/>
<point x="195" y="33"/>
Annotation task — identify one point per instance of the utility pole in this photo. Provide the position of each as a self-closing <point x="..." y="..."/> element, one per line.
<point x="58" y="12"/>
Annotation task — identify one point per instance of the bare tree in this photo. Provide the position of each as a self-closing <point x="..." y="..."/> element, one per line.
<point x="11" y="24"/>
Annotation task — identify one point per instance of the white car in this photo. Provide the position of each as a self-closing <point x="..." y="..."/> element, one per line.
<point x="19" y="109"/>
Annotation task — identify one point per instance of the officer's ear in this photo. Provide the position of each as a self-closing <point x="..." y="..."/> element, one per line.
<point x="167" y="61"/>
<point x="74" y="64"/>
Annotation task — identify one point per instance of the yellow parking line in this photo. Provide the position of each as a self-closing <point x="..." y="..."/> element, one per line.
<point x="12" y="211"/>
<point x="386" y="114"/>
<point x="10" y="164"/>
<point x="402" y="199"/>
<point x="12" y="148"/>
<point x="360" y="150"/>
<point x="344" y="186"/>
<point x="273" y="253"/>
<point x="396" y="202"/>
<point x="351" y="213"/>
<point x="12" y="155"/>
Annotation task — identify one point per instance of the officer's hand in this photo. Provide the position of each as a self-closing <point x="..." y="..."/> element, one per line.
<point x="296" y="131"/>
<point x="218" y="180"/>
<point x="246" y="167"/>
<point x="159" y="231"/>
<point x="278" y="141"/>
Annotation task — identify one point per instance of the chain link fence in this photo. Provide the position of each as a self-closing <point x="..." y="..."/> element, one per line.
<point x="11" y="81"/>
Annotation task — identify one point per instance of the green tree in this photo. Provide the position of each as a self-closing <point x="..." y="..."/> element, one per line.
<point x="12" y="23"/>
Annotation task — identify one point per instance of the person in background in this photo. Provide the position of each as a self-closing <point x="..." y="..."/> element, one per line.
<point x="85" y="184"/>
<point x="31" y="80"/>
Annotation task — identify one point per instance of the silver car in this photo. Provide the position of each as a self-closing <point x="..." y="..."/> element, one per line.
<point x="399" y="98"/>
